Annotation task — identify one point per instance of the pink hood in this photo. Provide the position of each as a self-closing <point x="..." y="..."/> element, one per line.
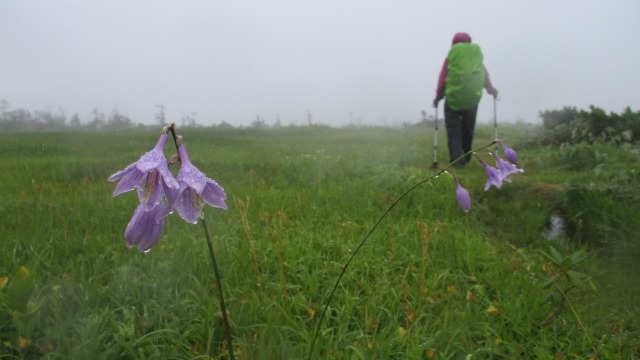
<point x="461" y="37"/>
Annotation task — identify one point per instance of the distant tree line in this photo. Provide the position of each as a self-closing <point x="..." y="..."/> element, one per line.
<point x="56" y="120"/>
<point x="12" y="120"/>
<point x="572" y="126"/>
<point x="50" y="119"/>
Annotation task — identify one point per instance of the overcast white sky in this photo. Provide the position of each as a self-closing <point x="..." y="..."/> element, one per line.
<point x="373" y="62"/>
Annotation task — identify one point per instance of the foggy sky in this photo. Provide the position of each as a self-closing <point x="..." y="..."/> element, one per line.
<point x="370" y="62"/>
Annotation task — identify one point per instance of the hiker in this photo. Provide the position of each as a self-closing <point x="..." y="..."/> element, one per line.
<point x="462" y="78"/>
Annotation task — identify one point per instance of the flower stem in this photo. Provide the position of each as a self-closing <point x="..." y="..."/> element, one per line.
<point x="214" y="264"/>
<point x="223" y="309"/>
<point x="368" y="234"/>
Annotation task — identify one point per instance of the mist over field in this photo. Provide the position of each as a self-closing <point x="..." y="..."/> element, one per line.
<point x="341" y="226"/>
<point x="330" y="63"/>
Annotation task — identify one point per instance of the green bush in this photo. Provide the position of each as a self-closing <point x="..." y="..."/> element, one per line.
<point x="572" y="126"/>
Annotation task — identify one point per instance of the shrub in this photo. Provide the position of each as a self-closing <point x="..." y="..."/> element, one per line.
<point x="572" y="126"/>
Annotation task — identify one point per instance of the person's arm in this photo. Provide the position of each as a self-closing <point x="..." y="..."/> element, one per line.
<point x="487" y="83"/>
<point x="441" y="83"/>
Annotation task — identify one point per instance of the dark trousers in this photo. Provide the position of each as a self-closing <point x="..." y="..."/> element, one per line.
<point x="460" y="126"/>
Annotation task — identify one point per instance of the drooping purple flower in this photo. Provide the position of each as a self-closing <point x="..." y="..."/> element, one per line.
<point x="509" y="153"/>
<point x="145" y="227"/>
<point x="150" y="175"/>
<point x="462" y="195"/>
<point x="493" y="175"/>
<point x="505" y="168"/>
<point x="195" y="190"/>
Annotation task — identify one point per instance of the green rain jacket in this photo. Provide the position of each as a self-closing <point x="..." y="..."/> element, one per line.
<point x="465" y="77"/>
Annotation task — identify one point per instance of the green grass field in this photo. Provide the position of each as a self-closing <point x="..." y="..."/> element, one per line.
<point x="432" y="281"/>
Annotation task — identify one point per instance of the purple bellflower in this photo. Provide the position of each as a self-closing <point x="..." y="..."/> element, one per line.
<point x="195" y="190"/>
<point x="150" y="175"/>
<point x="462" y="195"/>
<point x="493" y="175"/>
<point x="509" y="153"/>
<point x="145" y="227"/>
<point x="505" y="168"/>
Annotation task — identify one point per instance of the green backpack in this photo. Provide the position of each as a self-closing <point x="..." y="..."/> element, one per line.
<point x="465" y="76"/>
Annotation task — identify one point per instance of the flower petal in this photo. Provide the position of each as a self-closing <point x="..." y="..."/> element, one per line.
<point x="505" y="168"/>
<point x="151" y="192"/>
<point x="170" y="194"/>
<point x="153" y="158"/>
<point x="189" y="174"/>
<point x="167" y="177"/>
<point x="462" y="195"/>
<point x="192" y="177"/>
<point x="150" y="164"/>
<point x="214" y="195"/>
<point x="509" y="153"/>
<point x="128" y="181"/>
<point x="189" y="205"/>
<point x="145" y="227"/>
<point x="149" y="174"/>
<point x="120" y="174"/>
<point x="493" y="175"/>
<point x="152" y="238"/>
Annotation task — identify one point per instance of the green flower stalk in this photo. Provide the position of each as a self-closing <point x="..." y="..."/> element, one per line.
<point x="462" y="196"/>
<point x="160" y="194"/>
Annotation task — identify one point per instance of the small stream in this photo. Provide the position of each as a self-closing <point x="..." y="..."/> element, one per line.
<point x="556" y="228"/>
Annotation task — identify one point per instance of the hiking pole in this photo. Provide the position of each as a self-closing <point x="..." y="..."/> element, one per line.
<point x="495" y="120"/>
<point x="435" y="143"/>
